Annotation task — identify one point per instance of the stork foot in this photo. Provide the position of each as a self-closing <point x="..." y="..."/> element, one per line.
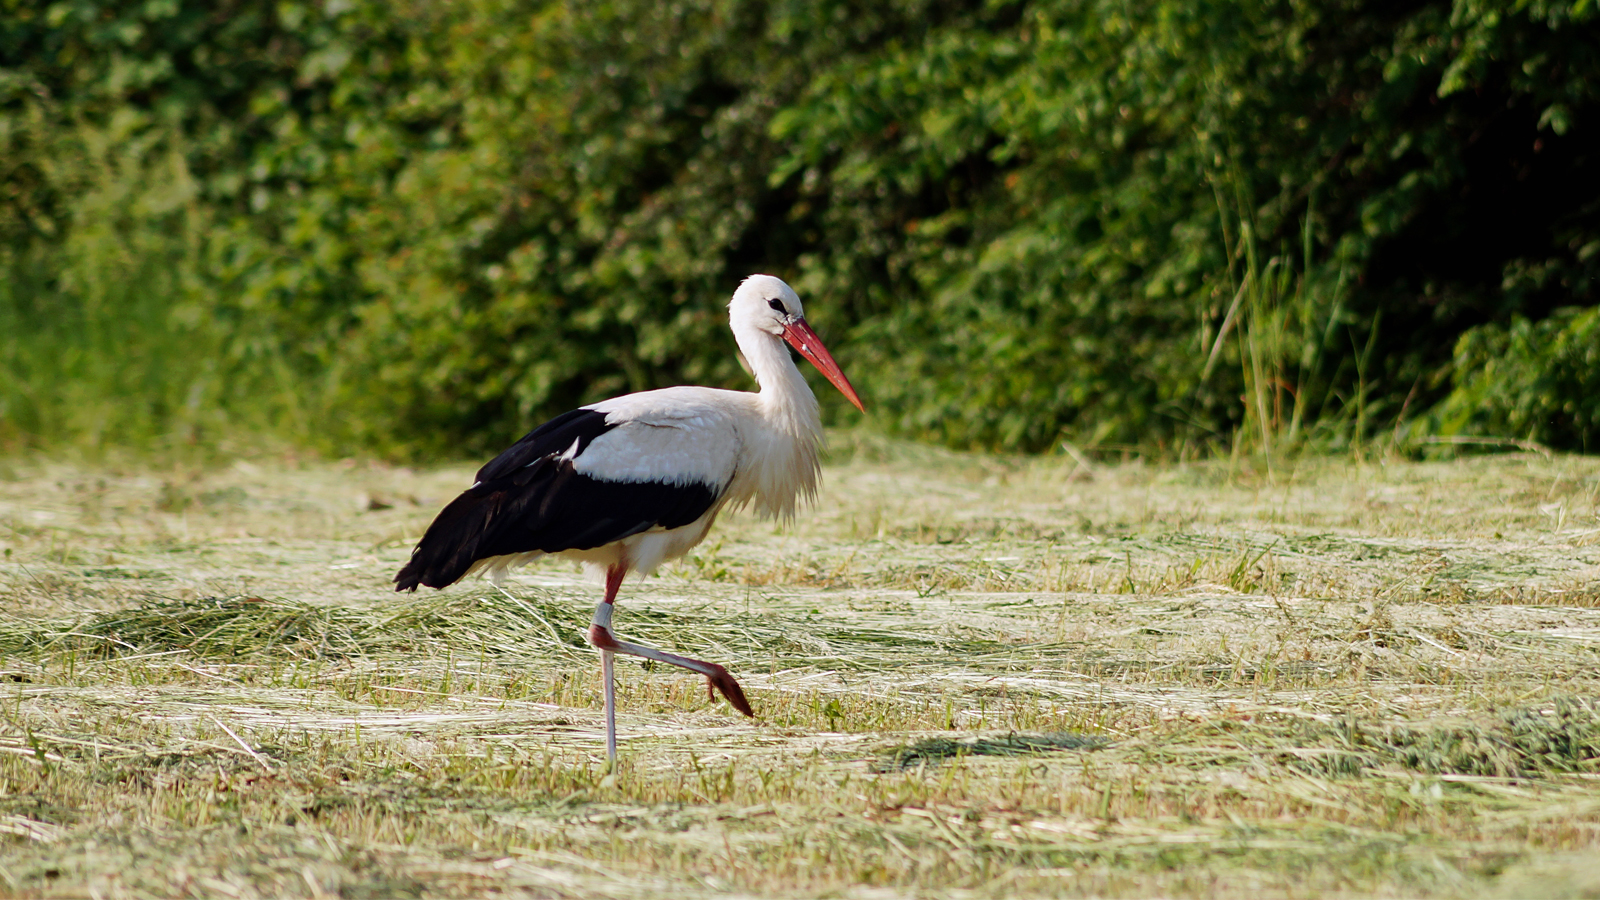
<point x="720" y="680"/>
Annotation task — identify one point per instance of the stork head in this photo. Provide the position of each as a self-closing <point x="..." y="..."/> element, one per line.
<point x="766" y="304"/>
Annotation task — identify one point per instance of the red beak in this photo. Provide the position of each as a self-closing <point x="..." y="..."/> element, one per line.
<point x="802" y="338"/>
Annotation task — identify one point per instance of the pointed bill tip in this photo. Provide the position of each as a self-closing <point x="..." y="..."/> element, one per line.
<point x="802" y="338"/>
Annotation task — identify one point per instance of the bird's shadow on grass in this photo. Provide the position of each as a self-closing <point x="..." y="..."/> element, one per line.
<point x="933" y="751"/>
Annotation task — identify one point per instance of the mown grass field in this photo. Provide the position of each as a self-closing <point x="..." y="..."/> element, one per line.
<point x="975" y="677"/>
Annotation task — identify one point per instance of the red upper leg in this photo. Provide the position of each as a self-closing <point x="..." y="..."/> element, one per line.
<point x="614" y="576"/>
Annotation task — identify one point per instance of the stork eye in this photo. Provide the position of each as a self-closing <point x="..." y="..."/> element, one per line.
<point x="777" y="305"/>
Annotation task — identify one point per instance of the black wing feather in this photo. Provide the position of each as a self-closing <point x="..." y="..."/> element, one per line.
<point x="551" y="438"/>
<point x="532" y="498"/>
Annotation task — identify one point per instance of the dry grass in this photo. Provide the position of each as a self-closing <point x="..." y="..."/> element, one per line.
<point x="976" y="677"/>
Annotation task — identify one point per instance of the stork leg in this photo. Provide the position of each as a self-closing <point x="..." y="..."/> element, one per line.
<point x="602" y="638"/>
<point x="608" y="674"/>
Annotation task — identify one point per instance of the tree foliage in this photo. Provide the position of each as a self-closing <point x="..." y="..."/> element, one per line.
<point x="418" y="227"/>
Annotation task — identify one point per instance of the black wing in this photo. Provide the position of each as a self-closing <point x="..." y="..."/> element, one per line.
<point x="532" y="498"/>
<point x="553" y="438"/>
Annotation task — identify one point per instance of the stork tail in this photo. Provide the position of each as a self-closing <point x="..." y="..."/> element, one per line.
<point x="450" y="545"/>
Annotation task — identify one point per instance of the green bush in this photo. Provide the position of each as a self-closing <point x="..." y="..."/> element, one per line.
<point x="1534" y="381"/>
<point x="417" y="228"/>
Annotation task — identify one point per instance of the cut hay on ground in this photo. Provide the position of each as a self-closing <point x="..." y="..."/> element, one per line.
<point x="974" y="677"/>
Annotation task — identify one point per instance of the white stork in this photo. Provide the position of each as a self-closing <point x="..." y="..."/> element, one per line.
<point x="627" y="483"/>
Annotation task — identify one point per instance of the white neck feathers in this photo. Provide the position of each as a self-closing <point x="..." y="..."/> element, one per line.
<point x="787" y="449"/>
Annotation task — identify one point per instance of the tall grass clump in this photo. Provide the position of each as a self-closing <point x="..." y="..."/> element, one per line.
<point x="1281" y="327"/>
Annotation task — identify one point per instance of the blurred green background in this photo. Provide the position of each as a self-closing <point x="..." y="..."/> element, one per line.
<point x="415" y="229"/>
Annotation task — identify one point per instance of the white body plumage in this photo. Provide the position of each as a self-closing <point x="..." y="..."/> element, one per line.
<point x="749" y="448"/>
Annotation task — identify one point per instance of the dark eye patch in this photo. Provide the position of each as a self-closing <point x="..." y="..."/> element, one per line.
<point x="777" y="305"/>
